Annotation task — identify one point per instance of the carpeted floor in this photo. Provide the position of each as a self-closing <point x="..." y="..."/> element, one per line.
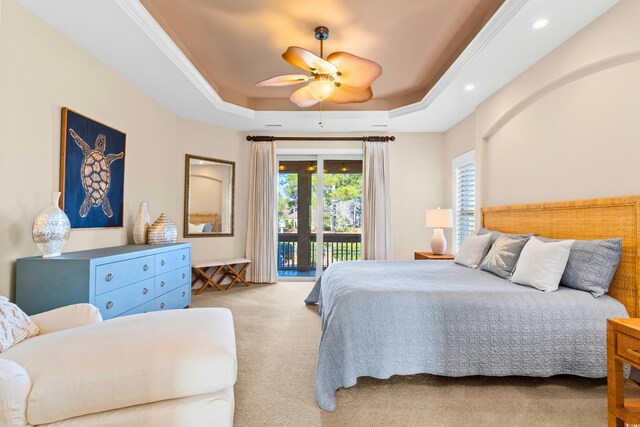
<point x="277" y="342"/>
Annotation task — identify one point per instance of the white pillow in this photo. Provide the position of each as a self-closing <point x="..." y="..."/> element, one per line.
<point x="473" y="250"/>
<point x="541" y="265"/>
<point x="195" y="228"/>
<point x="15" y="325"/>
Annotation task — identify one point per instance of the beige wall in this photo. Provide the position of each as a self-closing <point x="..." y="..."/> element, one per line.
<point x="458" y="140"/>
<point x="42" y="71"/>
<point x="568" y="128"/>
<point x="416" y="184"/>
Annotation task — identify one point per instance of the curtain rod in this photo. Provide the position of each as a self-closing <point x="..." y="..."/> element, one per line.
<point x="320" y="138"/>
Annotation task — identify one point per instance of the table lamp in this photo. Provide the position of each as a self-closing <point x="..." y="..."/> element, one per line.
<point x="438" y="219"/>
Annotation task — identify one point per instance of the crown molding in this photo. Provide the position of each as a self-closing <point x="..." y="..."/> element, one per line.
<point x="502" y="16"/>
<point x="143" y="19"/>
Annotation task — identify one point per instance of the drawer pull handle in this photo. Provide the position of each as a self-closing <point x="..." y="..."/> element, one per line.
<point x="161" y="305"/>
<point x="184" y="257"/>
<point x="183" y="293"/>
<point x="144" y="291"/>
<point x="108" y="277"/>
<point x="146" y="267"/>
<point x="633" y="352"/>
<point x="162" y="284"/>
<point x="184" y="275"/>
<point x="109" y="305"/>
<point x="162" y="263"/>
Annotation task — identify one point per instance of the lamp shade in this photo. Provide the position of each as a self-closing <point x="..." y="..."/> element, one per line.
<point x="438" y="218"/>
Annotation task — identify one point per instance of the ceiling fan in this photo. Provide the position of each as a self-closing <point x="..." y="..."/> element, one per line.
<point x="342" y="78"/>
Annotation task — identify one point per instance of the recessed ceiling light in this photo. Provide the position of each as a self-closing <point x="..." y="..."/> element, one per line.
<point x="469" y="87"/>
<point x="540" y="23"/>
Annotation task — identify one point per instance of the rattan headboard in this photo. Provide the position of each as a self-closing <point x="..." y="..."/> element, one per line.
<point x="582" y="219"/>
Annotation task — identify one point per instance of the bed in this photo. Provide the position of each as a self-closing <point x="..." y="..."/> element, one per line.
<point x="384" y="318"/>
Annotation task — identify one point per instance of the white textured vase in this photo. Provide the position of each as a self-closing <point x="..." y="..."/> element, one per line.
<point x="141" y="225"/>
<point x="162" y="231"/>
<point x="438" y="242"/>
<point x="51" y="229"/>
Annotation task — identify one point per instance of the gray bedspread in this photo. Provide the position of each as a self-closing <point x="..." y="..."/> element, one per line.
<point x="384" y="318"/>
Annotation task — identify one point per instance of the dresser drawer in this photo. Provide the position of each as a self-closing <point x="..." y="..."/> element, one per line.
<point x="118" y="274"/>
<point x="178" y="298"/>
<point x="116" y="302"/>
<point x="171" y="260"/>
<point x="169" y="281"/>
<point x="628" y="347"/>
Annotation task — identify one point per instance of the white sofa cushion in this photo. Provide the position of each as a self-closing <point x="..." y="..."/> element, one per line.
<point x="15" y="325"/>
<point x="127" y="361"/>
<point x="211" y="410"/>
<point x="14" y="389"/>
<point x="67" y="317"/>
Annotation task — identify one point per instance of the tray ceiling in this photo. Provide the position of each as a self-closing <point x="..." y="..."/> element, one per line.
<point x="236" y="43"/>
<point x="142" y="53"/>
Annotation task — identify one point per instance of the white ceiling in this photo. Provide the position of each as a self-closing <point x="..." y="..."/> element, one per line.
<point x="123" y="35"/>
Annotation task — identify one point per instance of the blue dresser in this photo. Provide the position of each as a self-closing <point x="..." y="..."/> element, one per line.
<point x="120" y="281"/>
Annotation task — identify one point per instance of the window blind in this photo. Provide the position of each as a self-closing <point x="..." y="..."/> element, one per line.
<point x="465" y="201"/>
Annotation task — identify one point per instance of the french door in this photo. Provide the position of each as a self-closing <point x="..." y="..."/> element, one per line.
<point x="319" y="213"/>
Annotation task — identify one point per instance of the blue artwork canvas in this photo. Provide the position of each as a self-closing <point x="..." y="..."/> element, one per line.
<point x="92" y="172"/>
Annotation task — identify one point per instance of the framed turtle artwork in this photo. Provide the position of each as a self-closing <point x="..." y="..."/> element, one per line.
<point x="91" y="172"/>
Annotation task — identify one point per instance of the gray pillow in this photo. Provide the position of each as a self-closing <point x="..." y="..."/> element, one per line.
<point x="207" y="228"/>
<point x="503" y="256"/>
<point x="592" y="265"/>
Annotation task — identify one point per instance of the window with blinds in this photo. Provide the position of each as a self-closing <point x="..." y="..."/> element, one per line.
<point x="464" y="196"/>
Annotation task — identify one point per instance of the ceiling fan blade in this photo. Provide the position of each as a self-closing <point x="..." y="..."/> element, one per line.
<point x="355" y="71"/>
<point x="285" y="80"/>
<point x="303" y="98"/>
<point x="347" y="94"/>
<point x="302" y="58"/>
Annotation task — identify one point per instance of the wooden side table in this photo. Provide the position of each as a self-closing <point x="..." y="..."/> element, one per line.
<point x="432" y="256"/>
<point x="623" y="346"/>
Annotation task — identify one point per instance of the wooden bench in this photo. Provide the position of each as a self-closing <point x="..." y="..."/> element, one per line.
<point x="207" y="272"/>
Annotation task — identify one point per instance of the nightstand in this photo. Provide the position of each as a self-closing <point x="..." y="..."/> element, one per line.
<point x="432" y="256"/>
<point x="623" y="346"/>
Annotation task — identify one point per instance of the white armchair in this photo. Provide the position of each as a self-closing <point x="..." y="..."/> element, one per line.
<point x="169" y="368"/>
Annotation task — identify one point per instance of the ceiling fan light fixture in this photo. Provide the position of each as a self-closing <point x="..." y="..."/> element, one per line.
<point x="321" y="88"/>
<point x="342" y="78"/>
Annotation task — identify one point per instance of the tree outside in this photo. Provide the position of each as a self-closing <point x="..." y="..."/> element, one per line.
<point x="342" y="211"/>
<point x="288" y="202"/>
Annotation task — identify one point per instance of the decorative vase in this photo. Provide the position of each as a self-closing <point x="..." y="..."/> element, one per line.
<point x="162" y="231"/>
<point x="141" y="225"/>
<point x="51" y="229"/>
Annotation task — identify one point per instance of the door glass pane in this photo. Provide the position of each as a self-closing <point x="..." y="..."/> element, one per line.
<point x="296" y="240"/>
<point x="342" y="212"/>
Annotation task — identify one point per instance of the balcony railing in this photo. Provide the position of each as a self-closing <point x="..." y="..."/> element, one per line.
<point x="337" y="247"/>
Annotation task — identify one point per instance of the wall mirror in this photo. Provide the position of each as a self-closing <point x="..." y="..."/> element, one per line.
<point x="208" y="197"/>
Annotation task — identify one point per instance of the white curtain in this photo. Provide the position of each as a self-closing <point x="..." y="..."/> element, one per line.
<point x="376" y="207"/>
<point x="262" y="231"/>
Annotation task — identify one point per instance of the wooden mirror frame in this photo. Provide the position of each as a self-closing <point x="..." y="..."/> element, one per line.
<point x="187" y="190"/>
